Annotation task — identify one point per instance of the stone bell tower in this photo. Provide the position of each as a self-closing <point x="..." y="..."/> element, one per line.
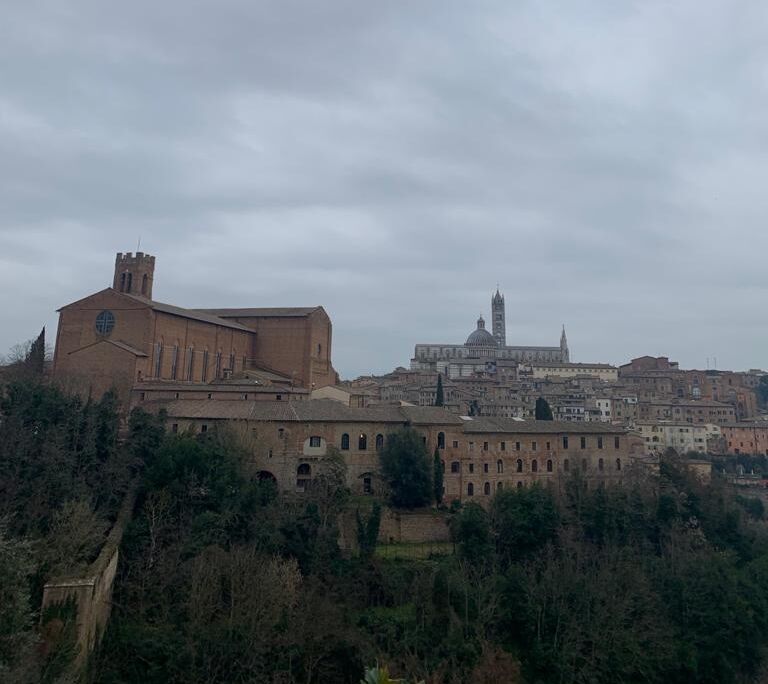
<point x="134" y="274"/>
<point x="498" y="318"/>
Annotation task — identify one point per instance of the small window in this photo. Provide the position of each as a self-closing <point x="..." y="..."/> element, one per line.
<point x="485" y="446"/>
<point x="519" y="465"/>
<point x="499" y="466"/>
<point x="618" y="464"/>
<point x="203" y="428"/>
<point x="362" y="442"/>
<point x="503" y="446"/>
<point x="441" y="440"/>
<point x="487" y="489"/>
<point x="485" y="467"/>
<point x="549" y="465"/>
<point x="616" y="442"/>
<point x="600" y="464"/>
<point x="455" y="444"/>
<point x="533" y="446"/>
<point x="534" y="466"/>
<point x="599" y="442"/>
<point x="379" y="442"/>
<point x="471" y="446"/>
<point x="517" y="446"/>
<point x="566" y="465"/>
<point x="519" y="485"/>
<point x="315" y="441"/>
<point x="367" y="485"/>
<point x="549" y="446"/>
<point x="345" y="442"/>
<point x="210" y="395"/>
<point x="565" y="441"/>
<point x="279" y="397"/>
<point x="583" y="442"/>
<point x="280" y="433"/>
<point x="470" y="489"/>
<point x="455" y="467"/>
<point x="175" y="428"/>
<point x="471" y="467"/>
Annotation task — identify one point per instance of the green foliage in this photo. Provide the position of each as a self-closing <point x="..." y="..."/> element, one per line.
<point x="406" y="468"/>
<point x="524" y="520"/>
<point x="472" y="532"/>
<point x="437" y="477"/>
<point x="543" y="411"/>
<point x="368" y="531"/>
<point x="439" y="398"/>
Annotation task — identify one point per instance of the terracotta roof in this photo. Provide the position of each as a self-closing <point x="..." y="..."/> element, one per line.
<point x="192" y="314"/>
<point x="510" y="425"/>
<point x="229" y="386"/>
<point x="263" y="312"/>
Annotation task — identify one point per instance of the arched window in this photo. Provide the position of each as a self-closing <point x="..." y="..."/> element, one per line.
<point x="190" y="363"/>
<point x="549" y="465"/>
<point x="217" y="369"/>
<point x="534" y="466"/>
<point x="519" y="485"/>
<point x="566" y="465"/>
<point x="129" y="286"/>
<point x="303" y="474"/>
<point x="122" y="282"/>
<point x="144" y="285"/>
<point x="499" y="466"/>
<point x="362" y="442"/>
<point x="487" y="489"/>
<point x="519" y="465"/>
<point x="174" y="360"/>
<point x="379" y="442"/>
<point x="455" y="467"/>
<point x="441" y="440"/>
<point x="470" y="489"/>
<point x="345" y="442"/>
<point x="618" y="464"/>
<point x="499" y="486"/>
<point x="600" y="464"/>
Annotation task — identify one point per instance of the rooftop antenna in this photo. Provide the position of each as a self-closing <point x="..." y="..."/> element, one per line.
<point x="138" y="244"/>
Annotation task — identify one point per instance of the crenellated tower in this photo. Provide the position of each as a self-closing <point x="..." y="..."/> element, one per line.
<point x="498" y="318"/>
<point x="134" y="274"/>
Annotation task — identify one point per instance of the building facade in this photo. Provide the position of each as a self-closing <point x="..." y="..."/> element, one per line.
<point x="120" y="337"/>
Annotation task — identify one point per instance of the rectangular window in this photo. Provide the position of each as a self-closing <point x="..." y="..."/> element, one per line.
<point x="205" y="366"/>
<point x="485" y="446"/>
<point x="583" y="442"/>
<point x="174" y="361"/>
<point x="533" y="446"/>
<point x="190" y="363"/>
<point x="471" y="467"/>
<point x="455" y="444"/>
<point x="517" y="446"/>
<point x="549" y="446"/>
<point x="616" y="442"/>
<point x="471" y="446"/>
<point x="599" y="442"/>
<point x="203" y="428"/>
<point x="565" y="441"/>
<point x="175" y="428"/>
<point x="503" y="446"/>
<point x="217" y="370"/>
<point x="314" y="442"/>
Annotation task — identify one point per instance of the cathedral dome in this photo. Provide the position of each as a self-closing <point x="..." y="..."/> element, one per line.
<point x="481" y="337"/>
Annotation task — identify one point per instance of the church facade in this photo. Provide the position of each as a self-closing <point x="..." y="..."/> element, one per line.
<point x="485" y="351"/>
<point x="121" y="337"/>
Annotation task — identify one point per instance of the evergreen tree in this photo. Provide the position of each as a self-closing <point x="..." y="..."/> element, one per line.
<point x="437" y="477"/>
<point x="439" y="398"/>
<point x="35" y="361"/>
<point x="543" y="409"/>
<point x="405" y="466"/>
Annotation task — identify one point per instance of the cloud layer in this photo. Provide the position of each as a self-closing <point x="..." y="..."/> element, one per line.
<point x="393" y="162"/>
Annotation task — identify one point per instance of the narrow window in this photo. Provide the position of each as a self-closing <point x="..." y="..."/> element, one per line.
<point x="203" y="428"/>
<point x="303" y="474"/>
<point x="618" y="464"/>
<point x="599" y="442"/>
<point x="174" y="361"/>
<point x="517" y="446"/>
<point x="487" y="489"/>
<point x="565" y="441"/>
<point x="534" y="466"/>
<point x="232" y="362"/>
<point x="144" y="285"/>
<point x="159" y="360"/>
<point x="470" y="489"/>
<point x="129" y="286"/>
<point x="441" y="440"/>
<point x="345" y="442"/>
<point x="278" y="397"/>
<point x="519" y="465"/>
<point x="503" y="446"/>
<point x="616" y="442"/>
<point x="175" y="428"/>
<point x="566" y="465"/>
<point x="471" y="467"/>
<point x="600" y="464"/>
<point x="499" y="466"/>
<point x="217" y="369"/>
<point x="379" y="442"/>
<point x="485" y="467"/>
<point x="455" y="444"/>
<point x="190" y="363"/>
<point x="205" y="366"/>
<point x="485" y="446"/>
<point x="549" y="465"/>
<point x="280" y="433"/>
<point x="362" y="442"/>
<point x="549" y="446"/>
<point x="533" y="446"/>
<point x="455" y="467"/>
<point x="367" y="486"/>
<point x="122" y="282"/>
<point x="583" y="442"/>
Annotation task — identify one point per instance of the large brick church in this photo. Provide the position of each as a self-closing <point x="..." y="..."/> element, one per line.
<point x="121" y="336"/>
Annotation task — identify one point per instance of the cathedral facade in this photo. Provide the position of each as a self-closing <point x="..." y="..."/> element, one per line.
<point x="484" y="351"/>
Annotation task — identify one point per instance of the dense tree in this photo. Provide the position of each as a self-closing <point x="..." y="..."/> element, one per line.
<point x="524" y="520"/>
<point x="406" y="468"/>
<point x="543" y="410"/>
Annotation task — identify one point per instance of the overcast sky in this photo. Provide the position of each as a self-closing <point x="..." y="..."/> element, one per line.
<point x="606" y="163"/>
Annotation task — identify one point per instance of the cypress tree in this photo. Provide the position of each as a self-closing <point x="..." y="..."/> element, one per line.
<point x="543" y="409"/>
<point x="437" y="477"/>
<point x="439" y="398"/>
<point x="35" y="361"/>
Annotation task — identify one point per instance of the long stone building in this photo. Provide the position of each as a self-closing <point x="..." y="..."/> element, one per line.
<point x="290" y="442"/>
<point x="121" y="336"/>
<point x="484" y="352"/>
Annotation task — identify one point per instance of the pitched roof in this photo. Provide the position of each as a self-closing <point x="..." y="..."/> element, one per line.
<point x="511" y="425"/>
<point x="115" y="343"/>
<point x="192" y="314"/>
<point x="263" y="312"/>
